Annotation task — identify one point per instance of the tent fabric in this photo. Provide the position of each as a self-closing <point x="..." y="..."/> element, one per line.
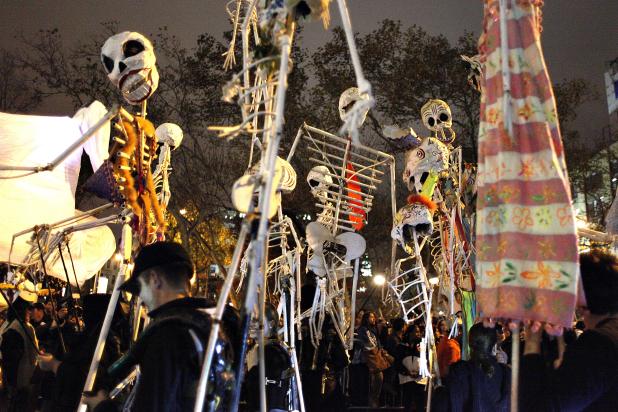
<point x="526" y="242"/>
<point x="48" y="197"/>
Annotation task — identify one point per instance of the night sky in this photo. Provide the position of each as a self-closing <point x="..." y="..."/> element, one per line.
<point x="579" y="37"/>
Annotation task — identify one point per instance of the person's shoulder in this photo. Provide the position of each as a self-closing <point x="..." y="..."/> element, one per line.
<point x="453" y="343"/>
<point x="459" y="369"/>
<point x="605" y="335"/>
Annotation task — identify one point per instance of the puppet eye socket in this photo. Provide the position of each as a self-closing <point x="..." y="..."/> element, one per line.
<point x="431" y="121"/>
<point x="131" y="48"/>
<point x="108" y="63"/>
<point x="443" y="117"/>
<point x="313" y="183"/>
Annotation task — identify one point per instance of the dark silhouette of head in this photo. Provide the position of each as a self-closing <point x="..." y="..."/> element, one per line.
<point x="599" y="271"/>
<point x="482" y="341"/>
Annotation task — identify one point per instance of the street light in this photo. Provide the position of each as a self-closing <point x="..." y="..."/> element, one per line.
<point x="379" y="280"/>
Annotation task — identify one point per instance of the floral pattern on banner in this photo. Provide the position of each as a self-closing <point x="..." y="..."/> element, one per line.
<point x="526" y="239"/>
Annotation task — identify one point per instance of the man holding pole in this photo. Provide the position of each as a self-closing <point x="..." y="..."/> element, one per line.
<point x="170" y="350"/>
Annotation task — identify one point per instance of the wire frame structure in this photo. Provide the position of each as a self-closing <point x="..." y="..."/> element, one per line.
<point x="351" y="177"/>
<point x="410" y="286"/>
<point x="356" y="173"/>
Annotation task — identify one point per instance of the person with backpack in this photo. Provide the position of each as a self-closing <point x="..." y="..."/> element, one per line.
<point x="171" y="349"/>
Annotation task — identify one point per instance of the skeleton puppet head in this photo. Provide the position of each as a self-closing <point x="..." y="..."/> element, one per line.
<point x="170" y="134"/>
<point x="430" y="158"/>
<point x="129" y="61"/>
<point x="436" y="115"/>
<point x="347" y="100"/>
<point x="410" y="218"/>
<point x="319" y="180"/>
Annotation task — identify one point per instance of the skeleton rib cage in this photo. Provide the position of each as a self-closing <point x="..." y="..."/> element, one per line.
<point x="347" y="163"/>
<point x="409" y="287"/>
<point x="348" y="184"/>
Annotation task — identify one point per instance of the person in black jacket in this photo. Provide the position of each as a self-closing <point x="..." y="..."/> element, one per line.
<point x="19" y="351"/>
<point x="171" y="349"/>
<point x="587" y="379"/>
<point x="69" y="374"/>
<point x="480" y="384"/>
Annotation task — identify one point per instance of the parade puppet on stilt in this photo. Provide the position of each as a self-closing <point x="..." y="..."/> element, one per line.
<point x="259" y="89"/>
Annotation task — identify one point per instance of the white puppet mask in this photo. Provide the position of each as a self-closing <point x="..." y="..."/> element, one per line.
<point x="129" y="61"/>
<point x="320" y="181"/>
<point x="436" y="115"/>
<point x="348" y="100"/>
<point x="431" y="157"/>
<point x="414" y="217"/>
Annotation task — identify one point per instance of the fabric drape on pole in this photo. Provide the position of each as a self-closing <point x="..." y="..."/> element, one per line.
<point x="527" y="256"/>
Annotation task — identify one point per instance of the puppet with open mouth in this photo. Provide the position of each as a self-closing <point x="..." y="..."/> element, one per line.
<point x="129" y="61"/>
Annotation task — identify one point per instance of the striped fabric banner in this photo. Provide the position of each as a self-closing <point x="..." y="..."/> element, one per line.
<point x="527" y="257"/>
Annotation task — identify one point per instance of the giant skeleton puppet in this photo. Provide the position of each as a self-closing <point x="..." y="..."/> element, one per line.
<point x="331" y="250"/>
<point x="130" y="63"/>
<point x="126" y="179"/>
<point x="266" y="28"/>
<point x="433" y="177"/>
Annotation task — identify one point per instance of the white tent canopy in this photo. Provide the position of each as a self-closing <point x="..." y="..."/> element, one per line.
<point x="49" y="196"/>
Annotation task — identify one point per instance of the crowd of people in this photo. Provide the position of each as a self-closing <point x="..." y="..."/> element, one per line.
<point x="47" y="346"/>
<point x="573" y="371"/>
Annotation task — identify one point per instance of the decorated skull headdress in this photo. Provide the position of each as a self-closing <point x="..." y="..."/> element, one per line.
<point x="423" y="165"/>
<point x="413" y="217"/>
<point x="129" y="61"/>
<point x="436" y="115"/>
<point x="347" y="100"/>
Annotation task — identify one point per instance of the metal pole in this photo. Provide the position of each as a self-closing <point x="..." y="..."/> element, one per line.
<point x="66" y="273"/>
<point x="51" y="298"/>
<point x="89" y="133"/>
<point x="74" y="272"/>
<point x="515" y="369"/>
<point x="353" y="303"/>
<point x="125" y="247"/>
<point x="293" y="344"/>
<point x="349" y="34"/>
<point x="218" y="315"/>
<point x="258" y="244"/>
<point x="393" y="212"/>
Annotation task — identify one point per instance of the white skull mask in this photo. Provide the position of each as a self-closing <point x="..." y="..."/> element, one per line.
<point x="129" y="61"/>
<point x="436" y="115"/>
<point x="170" y="134"/>
<point x="319" y="180"/>
<point x="430" y="157"/>
<point x="412" y="217"/>
<point x="347" y="100"/>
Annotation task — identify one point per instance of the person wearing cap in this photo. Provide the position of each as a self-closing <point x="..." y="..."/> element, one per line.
<point x="587" y="379"/>
<point x="170" y="350"/>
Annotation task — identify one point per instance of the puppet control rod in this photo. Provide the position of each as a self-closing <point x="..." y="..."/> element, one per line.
<point x="125" y="248"/>
<point x="116" y="109"/>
